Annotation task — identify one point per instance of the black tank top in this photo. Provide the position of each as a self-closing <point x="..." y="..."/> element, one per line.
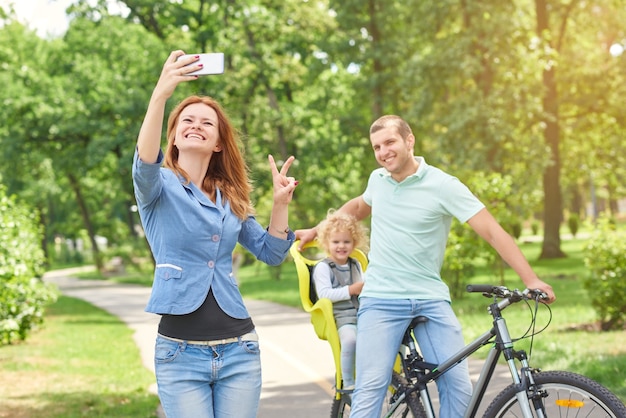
<point x="208" y="322"/>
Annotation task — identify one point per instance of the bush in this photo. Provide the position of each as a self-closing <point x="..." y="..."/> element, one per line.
<point x="23" y="295"/>
<point x="606" y="260"/>
<point x="573" y="223"/>
<point x="461" y="253"/>
<point x="515" y="229"/>
<point x="534" y="227"/>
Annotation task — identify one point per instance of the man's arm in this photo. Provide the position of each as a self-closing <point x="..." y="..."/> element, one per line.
<point x="355" y="207"/>
<point x="490" y="230"/>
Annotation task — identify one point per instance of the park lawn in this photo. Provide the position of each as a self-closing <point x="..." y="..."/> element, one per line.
<point x="82" y="363"/>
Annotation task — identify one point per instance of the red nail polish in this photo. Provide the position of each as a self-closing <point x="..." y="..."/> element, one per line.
<point x="295" y="182"/>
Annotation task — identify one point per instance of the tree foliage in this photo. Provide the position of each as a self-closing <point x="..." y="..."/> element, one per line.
<point x="307" y="78"/>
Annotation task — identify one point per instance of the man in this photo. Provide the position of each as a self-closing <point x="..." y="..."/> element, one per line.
<point x="412" y="205"/>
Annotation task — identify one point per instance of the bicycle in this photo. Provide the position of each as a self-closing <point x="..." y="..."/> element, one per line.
<point x="532" y="394"/>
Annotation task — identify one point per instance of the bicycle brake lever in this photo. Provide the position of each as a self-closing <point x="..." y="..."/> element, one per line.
<point x="535" y="294"/>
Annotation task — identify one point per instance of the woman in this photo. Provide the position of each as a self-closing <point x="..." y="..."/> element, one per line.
<point x="194" y="210"/>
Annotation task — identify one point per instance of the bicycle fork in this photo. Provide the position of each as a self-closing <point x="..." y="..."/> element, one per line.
<point x="523" y="379"/>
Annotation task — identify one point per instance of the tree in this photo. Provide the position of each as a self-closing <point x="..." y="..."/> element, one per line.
<point x="113" y="66"/>
<point x="282" y="87"/>
<point x="75" y="122"/>
<point x="553" y="206"/>
<point x="478" y="81"/>
<point x="308" y="78"/>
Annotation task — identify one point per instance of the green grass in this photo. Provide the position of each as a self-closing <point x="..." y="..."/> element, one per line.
<point x="83" y="363"/>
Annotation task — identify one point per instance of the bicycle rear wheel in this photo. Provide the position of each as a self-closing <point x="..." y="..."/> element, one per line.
<point x="340" y="408"/>
<point x="411" y="407"/>
<point x="568" y="394"/>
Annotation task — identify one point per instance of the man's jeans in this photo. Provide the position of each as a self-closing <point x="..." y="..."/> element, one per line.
<point x="381" y="324"/>
<point x="198" y="381"/>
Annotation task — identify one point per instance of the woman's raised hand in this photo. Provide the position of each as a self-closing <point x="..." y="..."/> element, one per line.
<point x="175" y="71"/>
<point x="283" y="185"/>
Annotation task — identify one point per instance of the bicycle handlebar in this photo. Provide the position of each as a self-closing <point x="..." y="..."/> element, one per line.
<point x="509" y="296"/>
<point x="481" y="288"/>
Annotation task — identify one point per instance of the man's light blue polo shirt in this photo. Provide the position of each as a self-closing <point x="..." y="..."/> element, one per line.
<point x="409" y="230"/>
<point x="192" y="240"/>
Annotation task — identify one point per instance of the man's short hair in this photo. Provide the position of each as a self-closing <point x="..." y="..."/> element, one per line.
<point x="392" y="121"/>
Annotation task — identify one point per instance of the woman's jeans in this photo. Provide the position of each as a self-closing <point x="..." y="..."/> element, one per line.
<point x="381" y="324"/>
<point x="199" y="381"/>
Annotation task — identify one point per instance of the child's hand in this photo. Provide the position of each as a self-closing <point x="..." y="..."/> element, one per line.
<point x="355" y="288"/>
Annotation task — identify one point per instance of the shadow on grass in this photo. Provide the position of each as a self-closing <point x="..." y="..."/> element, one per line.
<point x="80" y="404"/>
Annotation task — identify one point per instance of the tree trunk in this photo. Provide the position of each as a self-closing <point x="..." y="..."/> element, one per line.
<point x="553" y="204"/>
<point x="84" y="212"/>
<point x="377" y="65"/>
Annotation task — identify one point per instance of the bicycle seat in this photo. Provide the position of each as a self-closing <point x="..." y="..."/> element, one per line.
<point x="418" y="320"/>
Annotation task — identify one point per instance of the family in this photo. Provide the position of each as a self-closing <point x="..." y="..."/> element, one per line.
<point x="194" y="203"/>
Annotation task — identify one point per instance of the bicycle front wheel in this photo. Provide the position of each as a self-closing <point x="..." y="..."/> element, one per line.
<point x="566" y="394"/>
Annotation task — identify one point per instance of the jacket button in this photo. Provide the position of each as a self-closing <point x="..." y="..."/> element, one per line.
<point x="211" y="264"/>
<point x="215" y="238"/>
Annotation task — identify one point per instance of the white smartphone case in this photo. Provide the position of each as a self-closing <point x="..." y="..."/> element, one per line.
<point x="213" y="63"/>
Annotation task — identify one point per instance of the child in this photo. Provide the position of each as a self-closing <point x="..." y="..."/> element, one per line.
<point x="338" y="278"/>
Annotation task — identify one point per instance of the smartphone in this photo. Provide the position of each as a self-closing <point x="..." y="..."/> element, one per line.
<point x="213" y="63"/>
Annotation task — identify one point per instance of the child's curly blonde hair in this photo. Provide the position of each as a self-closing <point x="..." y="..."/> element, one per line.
<point x="337" y="221"/>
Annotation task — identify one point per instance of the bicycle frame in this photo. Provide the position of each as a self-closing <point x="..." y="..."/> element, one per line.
<point x="503" y="345"/>
<point x="532" y="394"/>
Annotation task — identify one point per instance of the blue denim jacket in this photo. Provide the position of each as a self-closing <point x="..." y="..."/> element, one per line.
<point x="192" y="240"/>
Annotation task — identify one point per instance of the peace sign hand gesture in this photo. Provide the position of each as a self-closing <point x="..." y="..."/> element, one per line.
<point x="283" y="185"/>
<point x="283" y="193"/>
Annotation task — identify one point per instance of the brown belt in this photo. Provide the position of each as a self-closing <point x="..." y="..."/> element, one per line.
<point x="251" y="336"/>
